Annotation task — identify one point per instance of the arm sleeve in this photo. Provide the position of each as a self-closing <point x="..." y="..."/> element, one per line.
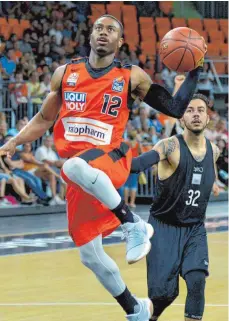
<point x="159" y="98"/>
<point x="144" y="161"/>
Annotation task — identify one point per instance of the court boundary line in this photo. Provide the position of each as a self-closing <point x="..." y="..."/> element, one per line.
<point x="90" y="304"/>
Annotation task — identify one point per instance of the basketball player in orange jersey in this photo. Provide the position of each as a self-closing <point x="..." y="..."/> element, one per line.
<point x="91" y="97"/>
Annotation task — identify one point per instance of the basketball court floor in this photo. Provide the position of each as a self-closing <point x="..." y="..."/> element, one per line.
<point x="42" y="279"/>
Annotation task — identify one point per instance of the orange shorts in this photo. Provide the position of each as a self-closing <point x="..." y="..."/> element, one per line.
<point x="88" y="217"/>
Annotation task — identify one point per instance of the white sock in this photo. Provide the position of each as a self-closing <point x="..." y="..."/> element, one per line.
<point x="93" y="181"/>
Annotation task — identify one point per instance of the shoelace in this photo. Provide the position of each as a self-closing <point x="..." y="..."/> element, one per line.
<point x="134" y="233"/>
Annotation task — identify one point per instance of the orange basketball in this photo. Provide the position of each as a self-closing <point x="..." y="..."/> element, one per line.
<point x="181" y="49"/>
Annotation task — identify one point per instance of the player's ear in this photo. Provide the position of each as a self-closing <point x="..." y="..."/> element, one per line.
<point x="120" y="42"/>
<point x="182" y="122"/>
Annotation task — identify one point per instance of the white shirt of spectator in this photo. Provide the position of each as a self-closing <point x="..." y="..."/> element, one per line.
<point x="43" y="153"/>
<point x="58" y="34"/>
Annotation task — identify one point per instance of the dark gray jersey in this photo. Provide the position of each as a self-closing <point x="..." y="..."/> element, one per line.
<point x="182" y="198"/>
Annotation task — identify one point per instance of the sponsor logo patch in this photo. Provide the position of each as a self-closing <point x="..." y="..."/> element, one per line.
<point x="118" y="84"/>
<point x="87" y="130"/>
<point x="196" y="179"/>
<point x="75" y="101"/>
<point x="72" y="79"/>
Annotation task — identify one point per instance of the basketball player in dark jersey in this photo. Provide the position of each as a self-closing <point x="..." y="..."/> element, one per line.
<point x="186" y="175"/>
<point x="90" y="95"/>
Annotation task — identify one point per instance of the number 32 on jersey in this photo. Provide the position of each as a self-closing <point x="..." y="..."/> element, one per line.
<point x="193" y="197"/>
<point x="111" y="104"/>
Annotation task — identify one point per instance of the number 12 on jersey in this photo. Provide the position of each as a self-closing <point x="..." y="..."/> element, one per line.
<point x="111" y="104"/>
<point x="192" y="198"/>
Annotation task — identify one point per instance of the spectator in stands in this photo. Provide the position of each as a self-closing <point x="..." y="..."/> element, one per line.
<point x="82" y="30"/>
<point x="124" y="58"/>
<point x="68" y="47"/>
<point x="33" y="41"/>
<point x="206" y="82"/>
<point x="55" y="50"/>
<point x="44" y="52"/>
<point x="67" y="31"/>
<point x="34" y="85"/>
<point x="3" y="130"/>
<point x="222" y="162"/>
<point x="221" y="129"/>
<point x="16" y="165"/>
<point x="18" y="90"/>
<point x="17" y="51"/>
<point x="77" y="17"/>
<point x="131" y="185"/>
<point x="24" y="43"/>
<point x="54" y="66"/>
<point x="17" y="184"/>
<point x="2" y="116"/>
<point x="141" y="122"/>
<point x="134" y="59"/>
<point x="82" y="48"/>
<point x="47" y="155"/>
<point x="41" y="170"/>
<point x="45" y="87"/>
<point x="57" y="32"/>
<point x="149" y="67"/>
<point x="8" y="66"/>
<point x="12" y="39"/>
<point x="168" y="78"/>
<point x="14" y="131"/>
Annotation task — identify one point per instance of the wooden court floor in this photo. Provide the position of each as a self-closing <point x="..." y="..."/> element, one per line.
<point x="52" y="286"/>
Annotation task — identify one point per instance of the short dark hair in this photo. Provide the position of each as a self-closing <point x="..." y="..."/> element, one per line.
<point x="112" y="17"/>
<point x="202" y="97"/>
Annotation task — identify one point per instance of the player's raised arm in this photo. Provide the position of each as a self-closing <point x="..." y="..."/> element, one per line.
<point x="158" y="97"/>
<point x="43" y="120"/>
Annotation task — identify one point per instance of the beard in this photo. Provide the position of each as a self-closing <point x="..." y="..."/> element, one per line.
<point x="195" y="131"/>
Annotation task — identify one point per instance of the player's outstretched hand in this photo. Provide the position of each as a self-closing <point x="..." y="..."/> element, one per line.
<point x="8" y="149"/>
<point x="200" y="63"/>
<point x="215" y="189"/>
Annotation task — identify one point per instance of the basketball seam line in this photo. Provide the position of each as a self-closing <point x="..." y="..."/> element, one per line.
<point x="173" y="40"/>
<point x="193" y="57"/>
<point x="181" y="47"/>
<point x="196" y="47"/>
<point x="184" y="50"/>
<point x="188" y="37"/>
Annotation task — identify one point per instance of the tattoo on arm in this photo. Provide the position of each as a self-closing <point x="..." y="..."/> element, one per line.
<point x="171" y="146"/>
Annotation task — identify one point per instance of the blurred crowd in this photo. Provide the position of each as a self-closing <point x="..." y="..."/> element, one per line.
<point x="32" y="176"/>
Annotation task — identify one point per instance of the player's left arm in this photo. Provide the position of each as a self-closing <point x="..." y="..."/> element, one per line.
<point x="216" y="153"/>
<point x="158" y="97"/>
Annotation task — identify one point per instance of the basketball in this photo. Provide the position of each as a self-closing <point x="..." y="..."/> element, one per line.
<point x="181" y="49"/>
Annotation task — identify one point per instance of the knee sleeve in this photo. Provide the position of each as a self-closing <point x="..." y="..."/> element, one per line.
<point x="194" y="307"/>
<point x="159" y="305"/>
<point x="79" y="172"/>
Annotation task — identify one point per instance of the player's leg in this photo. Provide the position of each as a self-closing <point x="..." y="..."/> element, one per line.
<point x="107" y="272"/>
<point x="194" y="272"/>
<point x="97" y="179"/>
<point x="163" y="266"/>
<point x="194" y="306"/>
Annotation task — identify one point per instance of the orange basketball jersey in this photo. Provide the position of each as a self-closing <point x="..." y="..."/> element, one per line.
<point x="94" y="110"/>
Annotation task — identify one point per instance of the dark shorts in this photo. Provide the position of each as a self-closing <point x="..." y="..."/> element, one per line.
<point x="175" y="251"/>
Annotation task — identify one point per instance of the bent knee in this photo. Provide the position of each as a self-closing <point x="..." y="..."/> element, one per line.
<point x="195" y="280"/>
